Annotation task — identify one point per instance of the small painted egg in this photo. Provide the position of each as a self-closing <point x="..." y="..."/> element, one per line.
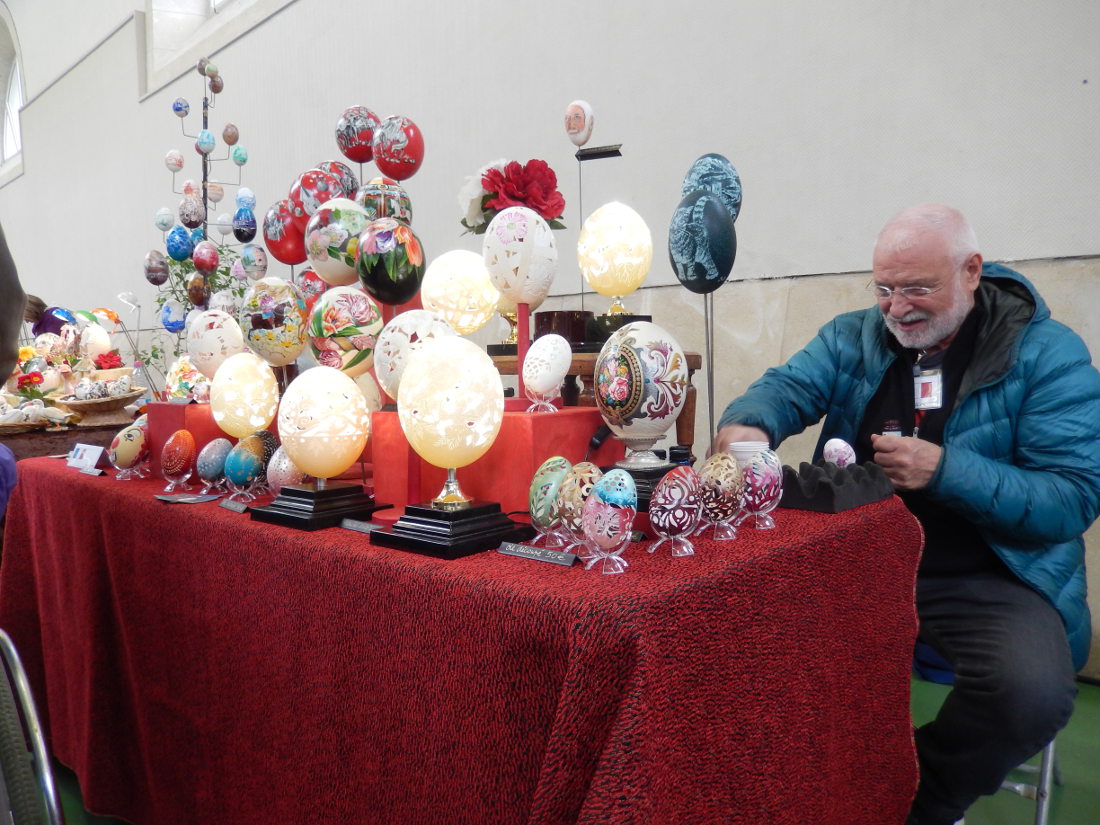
<point x="204" y="144"/>
<point x="608" y="515"/>
<point x="268" y="445"/>
<point x="215" y="192"/>
<point x="174" y="160"/>
<point x="245" y="198"/>
<point x="244" y="224"/>
<point x="181" y="107"/>
<point x="839" y="451"/>
<point x="721" y="487"/>
<point x="164" y="219"/>
<point x="128" y="448"/>
<point x="544" y="490"/>
<point x="210" y="464"/>
<point x="242" y="463"/>
<point x="231" y="134"/>
<point x="546" y="364"/>
<point x="178" y="454"/>
<point x="191" y="211"/>
<point x="674" y="505"/>
<point x="239" y="155"/>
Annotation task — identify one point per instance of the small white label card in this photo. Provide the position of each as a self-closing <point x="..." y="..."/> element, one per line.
<point x="86" y="457"/>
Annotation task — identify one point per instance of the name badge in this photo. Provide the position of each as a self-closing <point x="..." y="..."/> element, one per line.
<point x="928" y="389"/>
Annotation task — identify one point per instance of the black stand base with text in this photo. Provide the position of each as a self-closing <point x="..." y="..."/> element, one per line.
<point x="312" y="507"/>
<point x="451" y="534"/>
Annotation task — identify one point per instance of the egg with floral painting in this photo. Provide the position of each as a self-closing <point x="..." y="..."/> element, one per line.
<point x="390" y="261"/>
<point x="332" y="240"/>
<point x="343" y="330"/>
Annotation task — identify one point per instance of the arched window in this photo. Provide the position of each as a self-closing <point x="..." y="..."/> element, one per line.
<point x="11" y="86"/>
<point x="13" y="102"/>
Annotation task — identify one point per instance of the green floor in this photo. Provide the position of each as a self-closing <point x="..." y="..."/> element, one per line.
<point x="1076" y="802"/>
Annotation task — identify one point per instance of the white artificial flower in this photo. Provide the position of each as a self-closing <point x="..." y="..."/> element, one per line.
<point x="471" y="193"/>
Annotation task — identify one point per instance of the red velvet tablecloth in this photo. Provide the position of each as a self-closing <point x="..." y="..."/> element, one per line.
<point x="193" y="666"/>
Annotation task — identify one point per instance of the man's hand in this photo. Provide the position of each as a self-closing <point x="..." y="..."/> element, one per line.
<point x="908" y="462"/>
<point x="735" y="432"/>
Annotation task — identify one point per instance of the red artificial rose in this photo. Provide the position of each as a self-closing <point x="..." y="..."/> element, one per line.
<point x="533" y="185"/>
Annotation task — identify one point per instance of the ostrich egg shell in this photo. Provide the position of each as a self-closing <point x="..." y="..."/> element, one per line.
<point x="210" y="463"/>
<point x="274" y="321"/>
<point x="323" y="422"/>
<point x="281" y="471"/>
<point x="343" y="330"/>
<point x="401" y="337"/>
<point x="332" y="239"/>
<point x="456" y="287"/>
<point x="574" y="489"/>
<point x="191" y="211"/>
<point x="544" y="490"/>
<point x="243" y="394"/>
<point x="614" y="250"/>
<point x="342" y="172"/>
<point x="715" y="174"/>
<point x="451" y="402"/>
<point x="520" y="254"/>
<point x="371" y="394"/>
<point x="178" y="454"/>
<point x="839" y="451"/>
<point x="547" y="363"/>
<point x="211" y="338"/>
<point x="641" y="380"/>
<point x="128" y="448"/>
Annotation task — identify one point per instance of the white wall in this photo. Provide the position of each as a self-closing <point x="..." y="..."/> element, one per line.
<point x="835" y="119"/>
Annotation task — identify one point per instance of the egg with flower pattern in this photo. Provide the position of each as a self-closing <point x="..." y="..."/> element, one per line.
<point x="343" y="330"/>
<point x="721" y="487"/>
<point x="674" y="505"/>
<point x="390" y="261"/>
<point x="544" y="490"/>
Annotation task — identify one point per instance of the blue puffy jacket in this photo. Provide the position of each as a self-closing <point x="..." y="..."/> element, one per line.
<point x="1021" y="449"/>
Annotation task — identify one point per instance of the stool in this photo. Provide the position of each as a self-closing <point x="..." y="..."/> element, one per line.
<point x="1048" y="776"/>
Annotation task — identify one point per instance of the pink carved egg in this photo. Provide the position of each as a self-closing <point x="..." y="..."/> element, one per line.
<point x="675" y="506"/>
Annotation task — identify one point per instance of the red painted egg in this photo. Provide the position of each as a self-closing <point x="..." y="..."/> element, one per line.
<point x="309" y="192"/>
<point x="178" y="454"/>
<point x="206" y="256"/>
<point x="285" y="241"/>
<point x="398" y="147"/>
<point x="355" y="133"/>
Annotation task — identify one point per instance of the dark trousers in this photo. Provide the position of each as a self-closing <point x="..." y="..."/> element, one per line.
<point x="1014" y="687"/>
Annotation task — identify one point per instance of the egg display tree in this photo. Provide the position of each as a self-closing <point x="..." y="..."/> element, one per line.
<point x="196" y="272"/>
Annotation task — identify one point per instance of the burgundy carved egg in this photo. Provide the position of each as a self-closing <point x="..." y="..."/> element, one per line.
<point x="675" y="506"/>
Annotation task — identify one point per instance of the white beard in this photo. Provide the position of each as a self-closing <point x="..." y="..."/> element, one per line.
<point x="938" y="326"/>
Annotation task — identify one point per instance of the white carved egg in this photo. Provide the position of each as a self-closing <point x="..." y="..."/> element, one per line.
<point x="211" y="338"/>
<point x="402" y="336"/>
<point x="547" y="363"/>
<point x="519" y="252"/>
<point x="323" y="421"/>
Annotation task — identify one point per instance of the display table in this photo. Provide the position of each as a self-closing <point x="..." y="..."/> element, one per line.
<point x="194" y="666"/>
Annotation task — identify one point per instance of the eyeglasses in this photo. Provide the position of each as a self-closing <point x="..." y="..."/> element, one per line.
<point x="885" y="293"/>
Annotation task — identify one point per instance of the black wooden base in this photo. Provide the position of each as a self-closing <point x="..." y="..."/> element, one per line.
<point x="309" y="507"/>
<point x="451" y="534"/>
<point x="501" y="349"/>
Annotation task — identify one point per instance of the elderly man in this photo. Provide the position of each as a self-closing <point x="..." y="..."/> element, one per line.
<point x="984" y="412"/>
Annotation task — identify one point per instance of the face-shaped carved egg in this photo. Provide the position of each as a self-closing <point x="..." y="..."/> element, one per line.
<point x="674" y="505"/>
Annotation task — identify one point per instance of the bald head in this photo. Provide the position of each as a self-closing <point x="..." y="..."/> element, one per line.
<point x="933" y="228"/>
